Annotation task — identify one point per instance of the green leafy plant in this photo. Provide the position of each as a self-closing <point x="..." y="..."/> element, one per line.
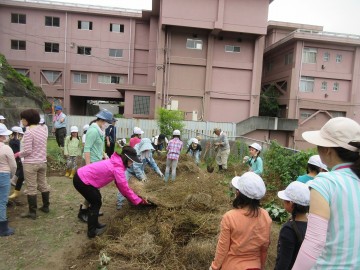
<point x="276" y="213"/>
<point x="269" y="105"/>
<point x="169" y="120"/>
<point x="285" y="164"/>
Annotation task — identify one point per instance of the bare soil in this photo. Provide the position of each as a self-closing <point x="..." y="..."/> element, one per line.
<point x="180" y="233"/>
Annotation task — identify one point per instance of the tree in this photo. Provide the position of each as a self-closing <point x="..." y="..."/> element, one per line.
<point x="169" y="120"/>
<point x="269" y="105"/>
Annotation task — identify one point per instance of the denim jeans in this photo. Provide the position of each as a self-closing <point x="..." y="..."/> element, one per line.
<point x="171" y="163"/>
<point x="4" y="193"/>
<point x="120" y="198"/>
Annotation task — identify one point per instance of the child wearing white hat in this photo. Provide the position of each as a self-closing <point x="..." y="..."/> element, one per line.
<point x="15" y="143"/>
<point x="7" y="168"/>
<point x="296" y="198"/>
<point x="314" y="167"/>
<point x="245" y="230"/>
<point x="72" y="151"/>
<point x="254" y="161"/>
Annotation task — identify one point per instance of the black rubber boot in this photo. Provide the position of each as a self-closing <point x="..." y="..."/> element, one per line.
<point x="83" y="214"/>
<point x="32" y="201"/>
<point x="5" y="230"/>
<point x="45" y="199"/>
<point x="220" y="168"/>
<point x="93" y="231"/>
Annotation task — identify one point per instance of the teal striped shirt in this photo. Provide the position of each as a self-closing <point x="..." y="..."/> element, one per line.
<point x="341" y="189"/>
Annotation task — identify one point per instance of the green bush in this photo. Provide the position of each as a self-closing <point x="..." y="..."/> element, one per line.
<point x="285" y="164"/>
<point x="276" y="213"/>
<point x="169" y="120"/>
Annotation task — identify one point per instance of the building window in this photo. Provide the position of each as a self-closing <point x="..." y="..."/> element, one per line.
<point x="51" y="76"/>
<point x="141" y="105"/>
<point x="324" y="86"/>
<point x="23" y="71"/>
<point x="116" y="53"/>
<point x="307" y="84"/>
<point x="18" y="45"/>
<point x="309" y="55"/>
<point x="84" y="50"/>
<point x="337" y="114"/>
<point x="119" y="28"/>
<point x="18" y="18"/>
<point x="84" y="25"/>
<point x="269" y="66"/>
<point x="288" y="58"/>
<point x="305" y="115"/>
<point x="194" y="44"/>
<point x="110" y="79"/>
<point x="326" y="57"/>
<point x="338" y="58"/>
<point x="80" y="78"/>
<point x="52" y="21"/>
<point x="336" y="86"/>
<point x="51" y="47"/>
<point x="230" y="48"/>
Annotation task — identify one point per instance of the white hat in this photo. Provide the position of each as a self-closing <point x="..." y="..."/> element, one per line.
<point x="250" y="184"/>
<point x="2" y="117"/>
<point x="195" y="141"/>
<point x="176" y="132"/>
<point x="138" y="131"/>
<point x="316" y="161"/>
<point x="143" y="145"/>
<point x="4" y="131"/>
<point x="337" y="132"/>
<point x="42" y="121"/>
<point x="74" y="129"/>
<point x="256" y="146"/>
<point x="17" y="129"/>
<point x="85" y="127"/>
<point x="296" y="192"/>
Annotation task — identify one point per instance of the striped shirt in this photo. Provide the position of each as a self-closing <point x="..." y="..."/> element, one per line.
<point x="341" y="189"/>
<point x="35" y="141"/>
<point x="174" y="148"/>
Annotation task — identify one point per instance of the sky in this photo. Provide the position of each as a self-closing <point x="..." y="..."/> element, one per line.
<point x="341" y="16"/>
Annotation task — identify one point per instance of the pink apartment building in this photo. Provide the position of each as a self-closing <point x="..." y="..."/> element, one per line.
<point x="203" y="57"/>
<point x="316" y="72"/>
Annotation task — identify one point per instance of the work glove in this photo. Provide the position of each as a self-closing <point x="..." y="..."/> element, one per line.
<point x="245" y="159"/>
<point x="160" y="174"/>
<point x="144" y="179"/>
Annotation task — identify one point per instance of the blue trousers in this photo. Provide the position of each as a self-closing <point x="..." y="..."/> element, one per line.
<point x="4" y="193"/>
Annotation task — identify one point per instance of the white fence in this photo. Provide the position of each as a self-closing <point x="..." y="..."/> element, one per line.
<point x="150" y="128"/>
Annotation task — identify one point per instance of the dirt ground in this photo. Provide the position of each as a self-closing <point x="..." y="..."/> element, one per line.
<point x="58" y="240"/>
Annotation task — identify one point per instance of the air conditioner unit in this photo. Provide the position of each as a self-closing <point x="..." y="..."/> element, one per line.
<point x="194" y="115"/>
<point x="174" y="105"/>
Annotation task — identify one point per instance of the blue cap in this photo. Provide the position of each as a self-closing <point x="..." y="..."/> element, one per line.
<point x="58" y="108"/>
<point x="105" y="115"/>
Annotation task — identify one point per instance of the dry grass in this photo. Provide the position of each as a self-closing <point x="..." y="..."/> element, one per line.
<point x="180" y="233"/>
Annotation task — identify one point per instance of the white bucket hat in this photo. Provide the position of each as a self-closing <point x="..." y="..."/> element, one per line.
<point x="85" y="127"/>
<point x="176" y="132"/>
<point x="256" y="146"/>
<point x="195" y="141"/>
<point x="337" y="132"/>
<point x="316" y="161"/>
<point x="74" y="129"/>
<point x="143" y="145"/>
<point x="250" y="184"/>
<point x="2" y="117"/>
<point x="4" y="131"/>
<point x="138" y="131"/>
<point x="17" y="129"/>
<point x="296" y="192"/>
